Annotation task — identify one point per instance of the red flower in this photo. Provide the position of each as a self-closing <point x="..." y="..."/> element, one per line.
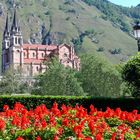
<point x="87" y="138"/>
<point x="65" y="122"/>
<point x="5" y="107"/>
<point x="56" y="137"/>
<point x="38" y="138"/>
<point x="138" y="135"/>
<point x="98" y="137"/>
<point x="113" y="136"/>
<point x="20" y="138"/>
<point x="2" y="124"/>
<point x="55" y="110"/>
<point x="43" y="123"/>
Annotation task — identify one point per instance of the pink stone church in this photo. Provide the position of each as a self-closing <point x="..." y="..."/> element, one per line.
<point x="31" y="57"/>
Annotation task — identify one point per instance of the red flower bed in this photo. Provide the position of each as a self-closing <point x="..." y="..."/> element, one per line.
<point x="68" y="123"/>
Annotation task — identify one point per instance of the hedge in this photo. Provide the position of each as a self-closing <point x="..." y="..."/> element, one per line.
<point x="102" y="103"/>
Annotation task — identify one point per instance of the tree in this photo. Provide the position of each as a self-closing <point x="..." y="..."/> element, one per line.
<point x="131" y="74"/>
<point x="57" y="80"/>
<point x="99" y="78"/>
<point x="13" y="82"/>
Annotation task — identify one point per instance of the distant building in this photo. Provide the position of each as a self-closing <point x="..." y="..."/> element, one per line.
<point x="31" y="57"/>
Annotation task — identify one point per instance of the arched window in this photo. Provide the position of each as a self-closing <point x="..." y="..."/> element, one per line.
<point x="19" y="41"/>
<point x="16" y="40"/>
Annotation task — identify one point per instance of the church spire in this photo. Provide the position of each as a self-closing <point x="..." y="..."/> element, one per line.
<point x="15" y="21"/>
<point x="15" y="18"/>
<point x="7" y="25"/>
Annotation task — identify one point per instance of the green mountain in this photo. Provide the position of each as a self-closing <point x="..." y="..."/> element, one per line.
<point x="93" y="26"/>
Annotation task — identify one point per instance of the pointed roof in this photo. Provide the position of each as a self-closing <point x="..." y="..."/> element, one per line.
<point x="15" y="18"/>
<point x="7" y="24"/>
<point x="15" y="21"/>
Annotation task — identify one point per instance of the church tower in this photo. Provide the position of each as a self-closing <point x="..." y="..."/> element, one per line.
<point x="5" y="46"/>
<point x="12" y="51"/>
<point x="16" y="36"/>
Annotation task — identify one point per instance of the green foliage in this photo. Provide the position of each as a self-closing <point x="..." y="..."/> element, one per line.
<point x="45" y="3"/>
<point x="79" y="40"/>
<point x="107" y="135"/>
<point x="98" y="78"/>
<point x="69" y="2"/>
<point x="136" y="124"/>
<point x="128" y="104"/>
<point x="100" y="49"/>
<point x="115" y="51"/>
<point x="71" y="11"/>
<point x="131" y="74"/>
<point x="58" y="80"/>
<point x="129" y="136"/>
<point x="13" y="82"/>
<point x="114" y="13"/>
<point x="112" y="122"/>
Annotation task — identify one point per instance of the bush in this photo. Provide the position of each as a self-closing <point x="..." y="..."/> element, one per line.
<point x="128" y="104"/>
<point x="45" y="3"/>
<point x="131" y="74"/>
<point x="100" y="49"/>
<point x="115" y="51"/>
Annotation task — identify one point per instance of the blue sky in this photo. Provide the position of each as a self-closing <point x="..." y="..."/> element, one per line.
<point x="127" y="3"/>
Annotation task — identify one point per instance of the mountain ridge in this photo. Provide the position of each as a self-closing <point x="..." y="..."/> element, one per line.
<point x="86" y="26"/>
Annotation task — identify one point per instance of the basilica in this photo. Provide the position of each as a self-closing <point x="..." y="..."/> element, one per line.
<point x="32" y="57"/>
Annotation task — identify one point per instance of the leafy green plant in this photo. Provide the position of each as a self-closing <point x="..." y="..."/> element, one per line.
<point x="131" y="74"/>
<point x="136" y="124"/>
<point x="112" y="122"/>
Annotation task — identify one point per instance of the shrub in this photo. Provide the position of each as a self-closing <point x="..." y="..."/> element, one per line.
<point x="128" y="104"/>
<point x="131" y="74"/>
<point x="100" y="49"/>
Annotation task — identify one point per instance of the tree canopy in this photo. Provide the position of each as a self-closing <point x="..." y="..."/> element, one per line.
<point x="99" y="78"/>
<point x="131" y="74"/>
<point x="58" y="80"/>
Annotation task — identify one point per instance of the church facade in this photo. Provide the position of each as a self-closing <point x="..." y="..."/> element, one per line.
<point x="31" y="57"/>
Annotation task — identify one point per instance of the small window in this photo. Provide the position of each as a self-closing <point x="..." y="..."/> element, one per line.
<point x="8" y="43"/>
<point x="65" y="55"/>
<point x="33" y="54"/>
<point x="37" y="68"/>
<point x="19" y="41"/>
<point x="42" y="54"/>
<point x="16" y="40"/>
<point x="24" y="54"/>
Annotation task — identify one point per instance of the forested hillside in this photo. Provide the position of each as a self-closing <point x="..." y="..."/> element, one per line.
<point x="92" y="26"/>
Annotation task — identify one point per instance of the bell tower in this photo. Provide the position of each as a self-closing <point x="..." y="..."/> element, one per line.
<point x="16" y="43"/>
<point x="5" y="46"/>
<point x="12" y="51"/>
<point x="16" y="36"/>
